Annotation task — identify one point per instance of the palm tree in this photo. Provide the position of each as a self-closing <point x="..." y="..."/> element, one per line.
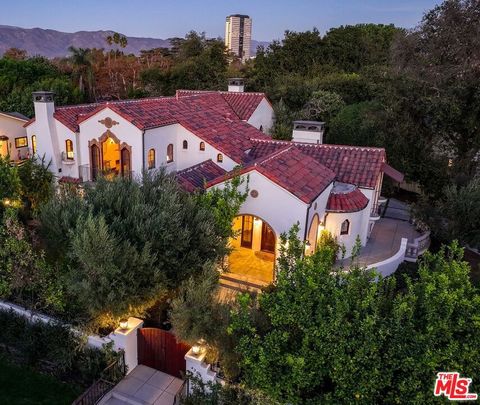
<point x="82" y="65"/>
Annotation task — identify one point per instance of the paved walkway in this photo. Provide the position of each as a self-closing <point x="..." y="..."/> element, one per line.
<point x="256" y="266"/>
<point x="144" y="385"/>
<point x="387" y="234"/>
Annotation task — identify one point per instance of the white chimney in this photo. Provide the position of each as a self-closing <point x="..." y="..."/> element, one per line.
<point x="44" y="128"/>
<point x="308" y="131"/>
<point x="236" y="85"/>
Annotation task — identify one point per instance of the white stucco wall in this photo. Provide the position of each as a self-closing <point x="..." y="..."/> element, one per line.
<point x="280" y="209"/>
<point x="44" y="128"/>
<point x="125" y="131"/>
<point x="160" y="138"/>
<point x="13" y="128"/>
<point x="333" y="225"/>
<point x="262" y="116"/>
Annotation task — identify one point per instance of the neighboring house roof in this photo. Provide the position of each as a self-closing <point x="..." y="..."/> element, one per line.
<point x="346" y="198"/>
<point x="195" y="177"/>
<point x="243" y="104"/>
<point x="353" y="164"/>
<point x="15" y="115"/>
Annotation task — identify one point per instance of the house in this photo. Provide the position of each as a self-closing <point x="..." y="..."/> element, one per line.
<point x="203" y="137"/>
<point x="14" y="143"/>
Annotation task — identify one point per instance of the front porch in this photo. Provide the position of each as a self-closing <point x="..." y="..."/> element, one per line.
<point x="250" y="265"/>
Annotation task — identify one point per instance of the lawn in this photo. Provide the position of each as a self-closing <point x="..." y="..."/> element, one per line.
<point x="22" y="386"/>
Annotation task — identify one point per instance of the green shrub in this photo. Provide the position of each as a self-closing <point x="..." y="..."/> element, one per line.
<point x="52" y="348"/>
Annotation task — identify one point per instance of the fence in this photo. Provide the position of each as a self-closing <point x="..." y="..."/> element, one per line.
<point x="111" y="375"/>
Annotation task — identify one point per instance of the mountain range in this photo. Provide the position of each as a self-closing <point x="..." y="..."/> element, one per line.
<point x="52" y="43"/>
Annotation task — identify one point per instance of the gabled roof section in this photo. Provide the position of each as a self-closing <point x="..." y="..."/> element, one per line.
<point x="290" y="169"/>
<point x="195" y="177"/>
<point x="352" y="164"/>
<point x="242" y="104"/>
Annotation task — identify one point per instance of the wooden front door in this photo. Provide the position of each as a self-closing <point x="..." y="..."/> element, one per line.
<point x="160" y="350"/>
<point x="268" y="239"/>
<point x="247" y="231"/>
<point x="95" y="159"/>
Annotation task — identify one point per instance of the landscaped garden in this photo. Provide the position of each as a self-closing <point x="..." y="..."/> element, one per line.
<point x="25" y="386"/>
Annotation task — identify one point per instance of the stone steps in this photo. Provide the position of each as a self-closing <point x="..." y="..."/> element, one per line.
<point x="239" y="284"/>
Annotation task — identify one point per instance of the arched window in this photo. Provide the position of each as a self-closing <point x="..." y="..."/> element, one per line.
<point x="170" y="153"/>
<point x="69" y="149"/>
<point x="219" y="158"/>
<point x="345" y="227"/>
<point x="34" y="144"/>
<point x="151" y="159"/>
<point x="202" y="145"/>
<point x="185" y="145"/>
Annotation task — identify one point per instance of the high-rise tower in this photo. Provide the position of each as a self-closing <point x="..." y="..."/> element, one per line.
<point x="238" y="35"/>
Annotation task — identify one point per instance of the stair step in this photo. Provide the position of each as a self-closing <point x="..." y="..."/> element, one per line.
<point x="241" y="281"/>
<point x="233" y="285"/>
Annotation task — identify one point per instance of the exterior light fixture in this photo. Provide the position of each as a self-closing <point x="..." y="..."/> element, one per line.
<point x="307" y="243"/>
<point x="124" y="323"/>
<point x="196" y="350"/>
<point x="257" y="220"/>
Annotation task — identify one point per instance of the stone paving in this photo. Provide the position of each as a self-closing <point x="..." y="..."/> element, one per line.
<point x="144" y="385"/>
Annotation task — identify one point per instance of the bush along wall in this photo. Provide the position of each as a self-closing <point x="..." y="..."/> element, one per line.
<point x="52" y="348"/>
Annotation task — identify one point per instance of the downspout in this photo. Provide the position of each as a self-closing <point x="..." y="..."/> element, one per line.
<point x="306" y="227"/>
<point x="143" y="151"/>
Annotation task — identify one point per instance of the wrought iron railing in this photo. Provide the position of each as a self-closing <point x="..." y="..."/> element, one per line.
<point x="182" y="392"/>
<point x="109" y="377"/>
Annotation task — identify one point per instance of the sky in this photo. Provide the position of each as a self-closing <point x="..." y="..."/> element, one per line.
<point x="170" y="18"/>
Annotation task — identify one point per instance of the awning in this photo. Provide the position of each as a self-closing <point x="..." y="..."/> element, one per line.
<point x="394" y="174"/>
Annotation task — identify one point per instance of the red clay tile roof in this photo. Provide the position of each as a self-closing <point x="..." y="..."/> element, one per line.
<point x="207" y="116"/>
<point x="346" y="198"/>
<point x="195" y="177"/>
<point x="353" y="164"/>
<point x="288" y="167"/>
<point x="242" y="104"/>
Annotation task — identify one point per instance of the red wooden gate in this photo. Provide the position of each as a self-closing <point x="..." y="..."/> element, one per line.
<point x="160" y="350"/>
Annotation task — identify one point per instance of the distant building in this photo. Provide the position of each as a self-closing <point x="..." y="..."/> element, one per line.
<point x="238" y="35"/>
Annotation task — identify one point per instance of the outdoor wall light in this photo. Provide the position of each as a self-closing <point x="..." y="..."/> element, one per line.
<point x="195" y="349"/>
<point x="123" y="323"/>
<point x="307" y="244"/>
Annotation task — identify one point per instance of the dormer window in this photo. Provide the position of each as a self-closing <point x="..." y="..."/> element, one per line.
<point x="170" y="153"/>
<point x="69" y="149"/>
<point x="151" y="159"/>
<point x="202" y="146"/>
<point x="345" y="228"/>
<point x="219" y="158"/>
<point x="185" y="144"/>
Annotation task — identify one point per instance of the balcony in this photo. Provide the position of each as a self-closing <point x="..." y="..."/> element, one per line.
<point x="68" y="158"/>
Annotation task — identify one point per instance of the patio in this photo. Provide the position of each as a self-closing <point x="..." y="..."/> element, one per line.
<point x="387" y="234"/>
<point x="144" y="385"/>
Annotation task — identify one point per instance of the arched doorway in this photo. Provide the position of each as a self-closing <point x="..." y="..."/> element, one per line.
<point x="253" y="249"/>
<point x="125" y="158"/>
<point x="313" y="234"/>
<point x="95" y="160"/>
<point x="111" y="156"/>
<point x="4" y="152"/>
